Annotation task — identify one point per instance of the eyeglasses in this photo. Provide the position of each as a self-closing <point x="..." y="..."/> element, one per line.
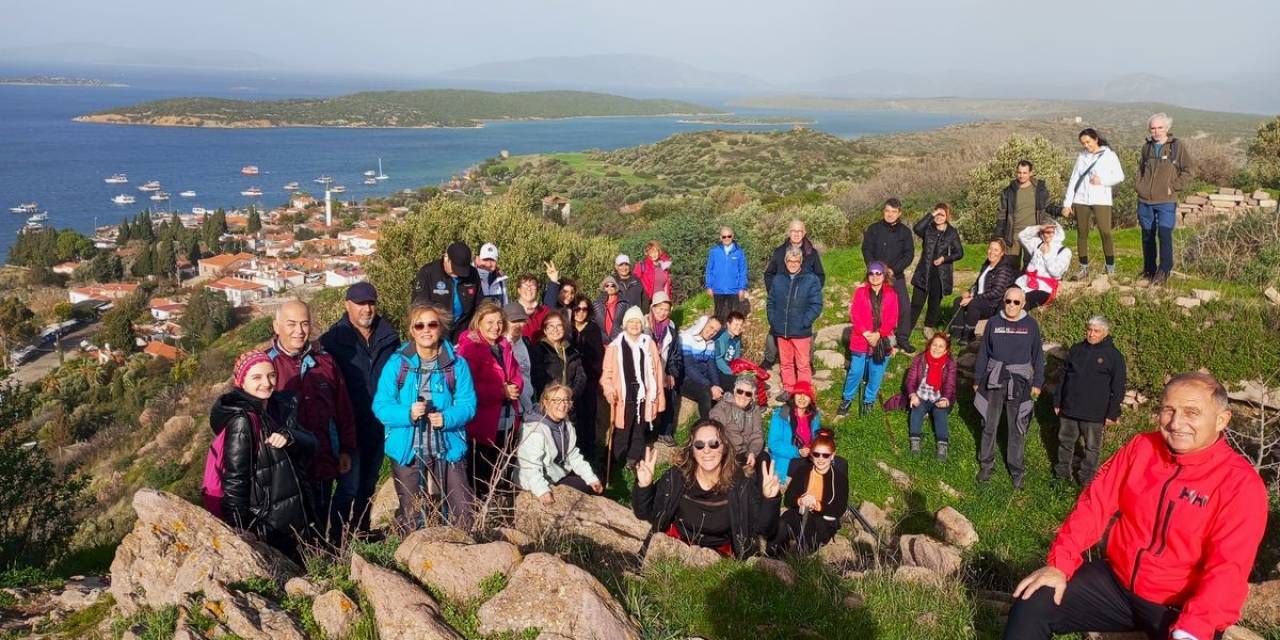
<point x="728" y="237"/>
<point x="1016" y="303"/>
<point x="742" y="392"/>
<point x="433" y="325"/>
<point x="706" y="444"/>
<point x="821" y="456"/>
<point x="559" y="400"/>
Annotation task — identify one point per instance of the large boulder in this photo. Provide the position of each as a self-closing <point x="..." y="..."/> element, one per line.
<point x="839" y="552"/>
<point x="385" y="503"/>
<point x="774" y="567"/>
<point x="177" y="548"/>
<point x="954" y="528"/>
<point x="456" y="570"/>
<point x="834" y="335"/>
<point x="1262" y="607"/>
<point x="401" y="609"/>
<point x="575" y="514"/>
<point x="249" y="615"/>
<point x="664" y="547"/>
<point x="335" y="614"/>
<point x="919" y="550"/>
<point x="563" y="601"/>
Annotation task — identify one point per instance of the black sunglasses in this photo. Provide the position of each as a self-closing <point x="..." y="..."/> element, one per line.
<point x="726" y="237"/>
<point x="875" y="273"/>
<point x="582" y="308"/>
<point x="742" y="392"/>
<point x="419" y="326"/>
<point x="1016" y="303"/>
<point x="703" y="444"/>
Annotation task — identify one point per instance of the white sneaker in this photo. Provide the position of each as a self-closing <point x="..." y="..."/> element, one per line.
<point x="1083" y="273"/>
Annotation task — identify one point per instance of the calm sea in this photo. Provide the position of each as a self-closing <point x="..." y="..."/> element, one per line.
<point x="47" y="158"/>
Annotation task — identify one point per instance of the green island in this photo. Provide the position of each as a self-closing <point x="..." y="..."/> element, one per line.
<point x="119" y="426"/>
<point x="407" y="109"/>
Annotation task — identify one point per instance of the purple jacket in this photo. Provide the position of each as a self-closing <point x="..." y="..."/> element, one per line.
<point x="915" y="373"/>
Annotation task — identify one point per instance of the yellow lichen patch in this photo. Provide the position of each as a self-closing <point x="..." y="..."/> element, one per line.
<point x="181" y="547"/>
<point x="178" y="527"/>
<point x="346" y="604"/>
<point x="215" y="609"/>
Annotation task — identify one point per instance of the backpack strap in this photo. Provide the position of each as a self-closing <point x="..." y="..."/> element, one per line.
<point x="450" y="378"/>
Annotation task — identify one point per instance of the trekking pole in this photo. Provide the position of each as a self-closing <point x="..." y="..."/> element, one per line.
<point x="608" y="450"/>
<point x="863" y="521"/>
<point x="804" y="520"/>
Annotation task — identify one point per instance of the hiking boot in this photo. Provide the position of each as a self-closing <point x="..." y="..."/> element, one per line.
<point x="1160" y="278"/>
<point x="907" y="348"/>
<point x="782" y="397"/>
<point x="1082" y="273"/>
<point x="844" y="408"/>
<point x="1147" y="275"/>
<point x="941" y="453"/>
<point x="767" y="364"/>
<point x="1017" y="484"/>
<point x="984" y="475"/>
<point x="915" y="444"/>
<point x="866" y="408"/>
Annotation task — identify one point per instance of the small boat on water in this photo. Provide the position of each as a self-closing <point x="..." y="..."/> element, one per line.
<point x="323" y="180"/>
<point x="381" y="175"/>
<point x="371" y="181"/>
<point x="39" y="217"/>
<point x="338" y="189"/>
<point x="188" y="194"/>
<point x="292" y="186"/>
<point x="116" y="178"/>
<point x="124" y="198"/>
<point x="249" y="170"/>
<point x="199" y="211"/>
<point x="153" y="185"/>
<point x="28" y="208"/>
<point x="370" y="173"/>
<point x="159" y="196"/>
<point x="30" y="227"/>
<point x="252" y="192"/>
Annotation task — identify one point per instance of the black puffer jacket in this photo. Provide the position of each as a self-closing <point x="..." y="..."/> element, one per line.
<point x="546" y="366"/>
<point x="835" y="494"/>
<point x="750" y="513"/>
<point x="998" y="281"/>
<point x="935" y="244"/>
<point x="261" y="485"/>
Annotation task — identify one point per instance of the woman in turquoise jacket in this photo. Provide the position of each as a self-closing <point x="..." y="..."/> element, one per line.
<point x="425" y="399"/>
<point x="792" y="429"/>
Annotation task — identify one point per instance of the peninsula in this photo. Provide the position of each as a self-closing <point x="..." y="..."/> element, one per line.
<point x="405" y="109"/>
<point x="46" y="81"/>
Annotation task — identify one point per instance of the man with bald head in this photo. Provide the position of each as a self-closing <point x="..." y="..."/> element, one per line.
<point x="324" y="409"/>
<point x="1183" y="514"/>
<point x="1007" y="379"/>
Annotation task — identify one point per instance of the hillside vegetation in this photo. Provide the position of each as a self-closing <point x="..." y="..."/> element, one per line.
<point x="426" y="108"/>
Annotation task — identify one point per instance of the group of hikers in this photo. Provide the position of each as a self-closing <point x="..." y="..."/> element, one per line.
<point x="489" y="396"/>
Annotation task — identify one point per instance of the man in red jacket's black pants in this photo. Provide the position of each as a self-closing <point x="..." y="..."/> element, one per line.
<point x="1191" y="513"/>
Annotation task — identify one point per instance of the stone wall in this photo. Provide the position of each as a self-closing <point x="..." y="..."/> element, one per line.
<point x="1203" y="207"/>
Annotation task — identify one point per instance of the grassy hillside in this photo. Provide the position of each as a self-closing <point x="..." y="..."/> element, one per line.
<point x="427" y="108"/>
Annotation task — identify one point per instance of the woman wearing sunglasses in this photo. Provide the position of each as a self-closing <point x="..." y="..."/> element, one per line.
<point x="585" y="336"/>
<point x="816" y="501"/>
<point x="704" y="500"/>
<point x="425" y="399"/>
<point x="741" y="419"/>
<point x="793" y="428"/>
<point x="548" y="453"/>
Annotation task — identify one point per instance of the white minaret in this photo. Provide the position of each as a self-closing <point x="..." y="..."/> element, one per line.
<point x="328" y="207"/>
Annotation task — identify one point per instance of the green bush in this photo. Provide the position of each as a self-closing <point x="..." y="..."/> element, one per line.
<point x="526" y="241"/>
<point x="976" y="219"/>
<point x="1264" y="155"/>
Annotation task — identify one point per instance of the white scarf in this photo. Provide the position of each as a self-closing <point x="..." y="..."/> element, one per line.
<point x="639" y="352"/>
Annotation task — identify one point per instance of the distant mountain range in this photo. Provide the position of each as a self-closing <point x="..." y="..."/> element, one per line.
<point x="609" y="70"/>
<point x="89" y="53"/>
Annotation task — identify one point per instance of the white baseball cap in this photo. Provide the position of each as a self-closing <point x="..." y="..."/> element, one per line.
<point x="622" y="259"/>
<point x="489" y="251"/>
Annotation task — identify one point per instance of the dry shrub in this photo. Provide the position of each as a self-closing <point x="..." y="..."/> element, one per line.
<point x="1216" y="162"/>
<point x="1245" y="250"/>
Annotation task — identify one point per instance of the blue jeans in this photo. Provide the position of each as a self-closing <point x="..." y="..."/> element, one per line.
<point x="1157" y="221"/>
<point x="861" y="366"/>
<point x="940" y="431"/>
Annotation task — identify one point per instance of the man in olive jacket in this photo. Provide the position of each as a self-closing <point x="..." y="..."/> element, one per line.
<point x="1163" y="169"/>
<point x="1088" y="397"/>
<point x="1024" y="203"/>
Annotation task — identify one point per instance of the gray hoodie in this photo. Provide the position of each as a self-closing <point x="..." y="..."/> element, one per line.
<point x="741" y="426"/>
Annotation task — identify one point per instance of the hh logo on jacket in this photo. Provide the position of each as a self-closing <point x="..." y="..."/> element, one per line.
<point x="1194" y="497"/>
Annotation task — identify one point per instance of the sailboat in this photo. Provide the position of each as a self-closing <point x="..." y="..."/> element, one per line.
<point x="381" y="175"/>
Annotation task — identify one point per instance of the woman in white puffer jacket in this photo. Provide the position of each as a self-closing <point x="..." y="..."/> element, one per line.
<point x="1088" y="196"/>
<point x="1049" y="262"/>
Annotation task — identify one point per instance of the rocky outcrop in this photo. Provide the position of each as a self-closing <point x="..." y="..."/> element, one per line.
<point x="177" y="548"/>
<point x="776" y="568"/>
<point x="456" y="570"/>
<point x="664" y="547"/>
<point x="385" y="503"/>
<point x="401" y="609"/>
<point x="575" y="514"/>
<point x="923" y="551"/>
<point x="249" y="615"/>
<point x="956" y="529"/>
<point x="1262" y="607"/>
<point x="563" y="601"/>
<point x="335" y="614"/>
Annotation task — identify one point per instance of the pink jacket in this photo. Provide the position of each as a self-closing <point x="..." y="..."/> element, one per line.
<point x="860" y="316"/>
<point x="655" y="277"/>
<point x="611" y="381"/>
<point x="489" y="379"/>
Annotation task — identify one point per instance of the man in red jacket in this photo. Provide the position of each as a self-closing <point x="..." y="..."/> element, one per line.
<point x="324" y="410"/>
<point x="1189" y="516"/>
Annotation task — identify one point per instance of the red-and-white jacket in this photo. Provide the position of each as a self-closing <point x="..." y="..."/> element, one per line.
<point x="1189" y="527"/>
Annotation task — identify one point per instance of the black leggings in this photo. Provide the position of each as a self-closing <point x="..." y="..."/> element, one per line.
<point x="629" y="441"/>
<point x="933" y="295"/>
<point x="1036" y="298"/>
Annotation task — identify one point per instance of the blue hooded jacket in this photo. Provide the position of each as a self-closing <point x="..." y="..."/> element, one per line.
<point x="391" y="404"/>
<point x="781" y="446"/>
<point x="726" y="273"/>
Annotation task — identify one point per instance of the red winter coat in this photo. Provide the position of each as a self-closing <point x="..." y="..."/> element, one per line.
<point x="655" y="277"/>
<point x="533" y="326"/>
<point x="860" y="316"/>
<point x="324" y="408"/>
<point x="489" y="379"/>
<point x="1189" y="527"/>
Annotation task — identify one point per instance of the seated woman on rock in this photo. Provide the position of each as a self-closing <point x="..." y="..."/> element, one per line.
<point x="548" y="453"/>
<point x="704" y="500"/>
<point x="1049" y="262"/>
<point x="793" y="428"/>
<point x="985" y="297"/>
<point x="815" y="500"/>
<point x="251" y="475"/>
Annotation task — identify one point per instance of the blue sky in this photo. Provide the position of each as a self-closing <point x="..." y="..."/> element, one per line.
<point x="781" y="42"/>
